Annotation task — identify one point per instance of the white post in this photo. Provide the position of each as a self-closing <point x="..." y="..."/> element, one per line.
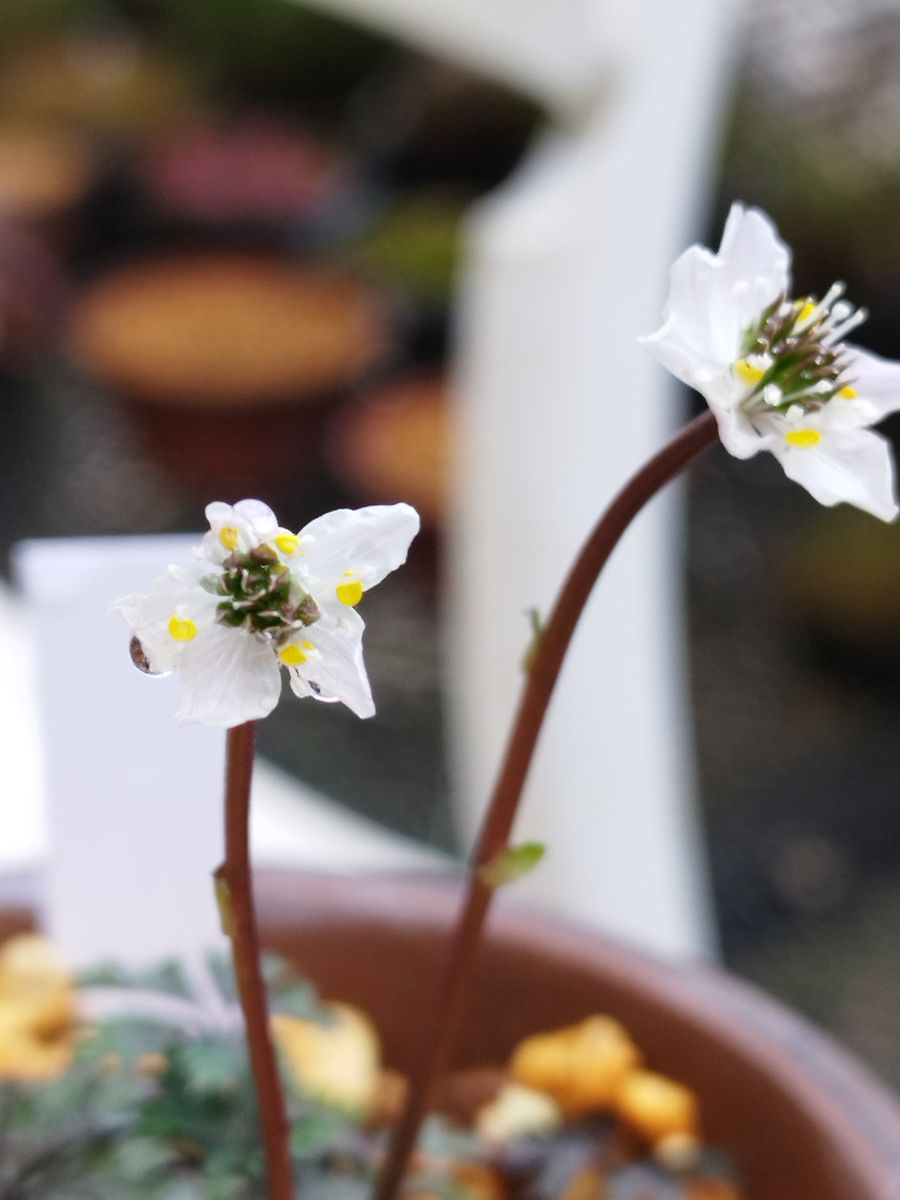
<point x="133" y="799"/>
<point x="23" y="831"/>
<point x="565" y="267"/>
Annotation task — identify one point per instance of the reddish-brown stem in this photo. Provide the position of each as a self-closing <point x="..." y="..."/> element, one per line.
<point x="235" y="882"/>
<point x="543" y="670"/>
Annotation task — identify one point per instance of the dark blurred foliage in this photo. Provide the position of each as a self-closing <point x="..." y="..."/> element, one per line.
<point x="279" y="51"/>
<point x="815" y="137"/>
<point x="22" y="20"/>
<point x="795" y="617"/>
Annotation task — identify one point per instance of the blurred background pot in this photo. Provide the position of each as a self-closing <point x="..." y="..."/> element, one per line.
<point x="225" y="362"/>
<point x="256" y="180"/>
<point x="394" y="443"/>
<point x="47" y="176"/>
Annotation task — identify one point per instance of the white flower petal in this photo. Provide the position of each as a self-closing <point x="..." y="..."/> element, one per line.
<point x="368" y="542"/>
<point x="875" y="380"/>
<point x="714" y="297"/>
<point x="695" y="334"/>
<point x="854" y="466"/>
<point x="177" y="593"/>
<point x="738" y="434"/>
<point x="228" y="676"/>
<point x="337" y="671"/>
<point x="247" y="524"/>
<point x="674" y="346"/>
<point x="259" y="515"/>
<point x="754" y="262"/>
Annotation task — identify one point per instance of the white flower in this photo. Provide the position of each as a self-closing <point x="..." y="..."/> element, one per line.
<point x="775" y="371"/>
<point x="258" y="598"/>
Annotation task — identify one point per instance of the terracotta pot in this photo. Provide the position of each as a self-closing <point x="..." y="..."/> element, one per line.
<point x="225" y="362"/>
<point x="802" y="1119"/>
<point x="390" y="444"/>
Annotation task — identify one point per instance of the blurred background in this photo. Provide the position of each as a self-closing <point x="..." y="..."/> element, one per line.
<point x="183" y="186"/>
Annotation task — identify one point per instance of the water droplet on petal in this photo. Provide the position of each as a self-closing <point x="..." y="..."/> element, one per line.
<point x="140" y="659"/>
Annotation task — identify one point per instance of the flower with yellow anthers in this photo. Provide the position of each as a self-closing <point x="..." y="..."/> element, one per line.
<point x="258" y="598"/>
<point x="775" y="370"/>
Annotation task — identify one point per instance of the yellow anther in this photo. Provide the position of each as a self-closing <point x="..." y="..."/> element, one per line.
<point x="350" y="593"/>
<point x="848" y="393"/>
<point x="292" y="655"/>
<point x="287" y="543"/>
<point x="746" y="371"/>
<point x="182" y="629"/>
<point x="804" y="439"/>
<point x="807" y="308"/>
<point x="228" y="536"/>
<point x="308" y="646"/>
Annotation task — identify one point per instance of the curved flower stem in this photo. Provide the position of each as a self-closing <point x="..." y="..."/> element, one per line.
<point x="234" y="884"/>
<point x="543" y="670"/>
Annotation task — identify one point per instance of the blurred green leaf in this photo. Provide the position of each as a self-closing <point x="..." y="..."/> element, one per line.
<point x="511" y="864"/>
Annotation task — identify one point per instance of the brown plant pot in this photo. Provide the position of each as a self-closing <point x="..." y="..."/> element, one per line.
<point x="226" y="361"/>
<point x="802" y="1119"/>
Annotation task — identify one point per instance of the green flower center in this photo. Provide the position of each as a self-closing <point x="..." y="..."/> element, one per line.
<point x="260" y="594"/>
<point x="792" y="353"/>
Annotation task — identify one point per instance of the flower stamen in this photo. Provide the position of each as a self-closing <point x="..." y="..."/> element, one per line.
<point x="791" y="354"/>
<point x="182" y="629"/>
<point x="259" y="592"/>
<point x="841" y="330"/>
<point x="772" y="395"/>
<point x="803" y="439"/>
<point x="812" y="310"/>
<point x="350" y="592"/>
<point x="747" y="372"/>
<point x="293" y="655"/>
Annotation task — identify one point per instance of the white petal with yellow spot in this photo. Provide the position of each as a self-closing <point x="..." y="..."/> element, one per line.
<point x="353" y="548"/>
<point x="238" y="527"/>
<point x="168" y="617"/>
<point x="775" y="371"/>
<point x="297" y="609"/>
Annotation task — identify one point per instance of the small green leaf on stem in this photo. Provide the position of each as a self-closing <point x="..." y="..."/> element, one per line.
<point x="537" y="629"/>
<point x="223" y="902"/>
<point x="511" y="864"/>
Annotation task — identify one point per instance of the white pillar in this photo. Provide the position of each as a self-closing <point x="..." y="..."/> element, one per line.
<point x="133" y="799"/>
<point x="564" y="267"/>
<point x="567" y="265"/>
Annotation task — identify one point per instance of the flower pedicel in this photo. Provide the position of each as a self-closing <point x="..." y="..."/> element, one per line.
<point x="775" y="371"/>
<point x="778" y="377"/>
<point x="259" y="598"/>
